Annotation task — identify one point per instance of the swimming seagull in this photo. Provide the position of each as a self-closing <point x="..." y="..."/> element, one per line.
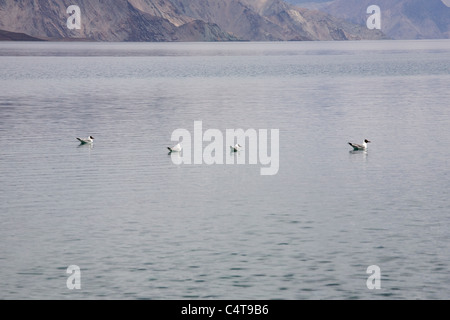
<point x="176" y="148"/>
<point x="89" y="140"/>
<point x="236" y="148"/>
<point x="362" y="146"/>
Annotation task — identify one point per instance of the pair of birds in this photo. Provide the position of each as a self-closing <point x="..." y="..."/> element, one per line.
<point x="177" y="148"/>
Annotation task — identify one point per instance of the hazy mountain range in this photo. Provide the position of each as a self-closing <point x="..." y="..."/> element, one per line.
<point x="176" y="20"/>
<point x="400" y="19"/>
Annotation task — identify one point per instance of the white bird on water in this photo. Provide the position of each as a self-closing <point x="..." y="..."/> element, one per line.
<point x="237" y="147"/>
<point x="89" y="140"/>
<point x="357" y="147"/>
<point x="176" y="148"/>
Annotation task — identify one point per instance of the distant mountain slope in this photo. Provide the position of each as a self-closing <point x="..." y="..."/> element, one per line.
<point x="104" y="21"/>
<point x="266" y="20"/>
<point x="177" y="20"/>
<point x="400" y="19"/>
<point x="14" y="36"/>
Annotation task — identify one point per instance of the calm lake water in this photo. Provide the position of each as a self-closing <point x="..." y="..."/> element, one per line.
<point x="141" y="227"/>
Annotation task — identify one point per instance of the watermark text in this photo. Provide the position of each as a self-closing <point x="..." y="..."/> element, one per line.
<point x="374" y="20"/>
<point x="74" y="21"/>
<point x="235" y="140"/>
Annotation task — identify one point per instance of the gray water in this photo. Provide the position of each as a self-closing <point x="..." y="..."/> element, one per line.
<point x="141" y="227"/>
